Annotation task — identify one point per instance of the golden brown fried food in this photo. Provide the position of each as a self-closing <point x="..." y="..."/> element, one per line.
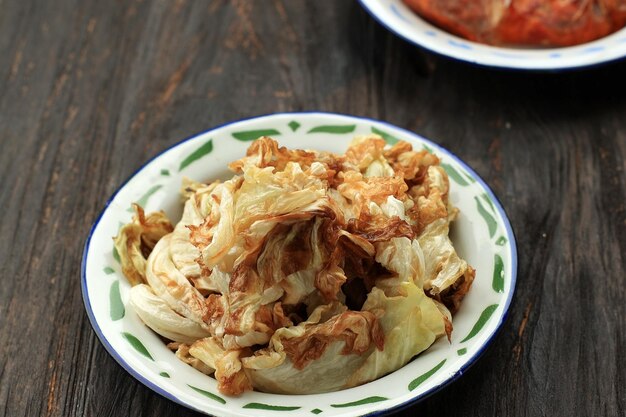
<point x="307" y="271"/>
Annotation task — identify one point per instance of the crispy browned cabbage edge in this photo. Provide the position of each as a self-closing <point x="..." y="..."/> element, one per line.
<point x="306" y="272"/>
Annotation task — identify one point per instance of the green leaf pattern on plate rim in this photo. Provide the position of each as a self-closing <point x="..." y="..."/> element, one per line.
<point x="480" y="323"/>
<point x="116" y="255"/>
<point x="249" y="135"/>
<point x="422" y="378"/>
<point x="392" y="140"/>
<point x="498" y="274"/>
<point x="293" y="125"/>
<point x="199" y="153"/>
<point x="143" y="200"/>
<point x="269" y="407"/>
<point x="137" y="345"/>
<point x="489" y="220"/>
<point x="454" y="174"/>
<point x="116" y="307"/>
<point x="334" y="129"/>
<point x="208" y="394"/>
<point x="368" y="400"/>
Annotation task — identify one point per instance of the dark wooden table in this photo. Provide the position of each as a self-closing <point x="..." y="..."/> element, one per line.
<point x="89" y="90"/>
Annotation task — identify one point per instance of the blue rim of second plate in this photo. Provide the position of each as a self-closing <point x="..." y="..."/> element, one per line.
<point x="509" y="231"/>
<point x="556" y="68"/>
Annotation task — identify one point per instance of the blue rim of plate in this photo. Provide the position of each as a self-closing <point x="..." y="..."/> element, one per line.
<point x="556" y="68"/>
<point x="509" y="230"/>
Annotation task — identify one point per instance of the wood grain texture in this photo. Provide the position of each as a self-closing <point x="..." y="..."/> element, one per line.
<point x="89" y="90"/>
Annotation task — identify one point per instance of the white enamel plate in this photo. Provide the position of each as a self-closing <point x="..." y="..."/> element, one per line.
<point x="482" y="235"/>
<point x="398" y="18"/>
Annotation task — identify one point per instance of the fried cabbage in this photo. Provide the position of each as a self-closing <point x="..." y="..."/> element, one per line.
<point x="306" y="272"/>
